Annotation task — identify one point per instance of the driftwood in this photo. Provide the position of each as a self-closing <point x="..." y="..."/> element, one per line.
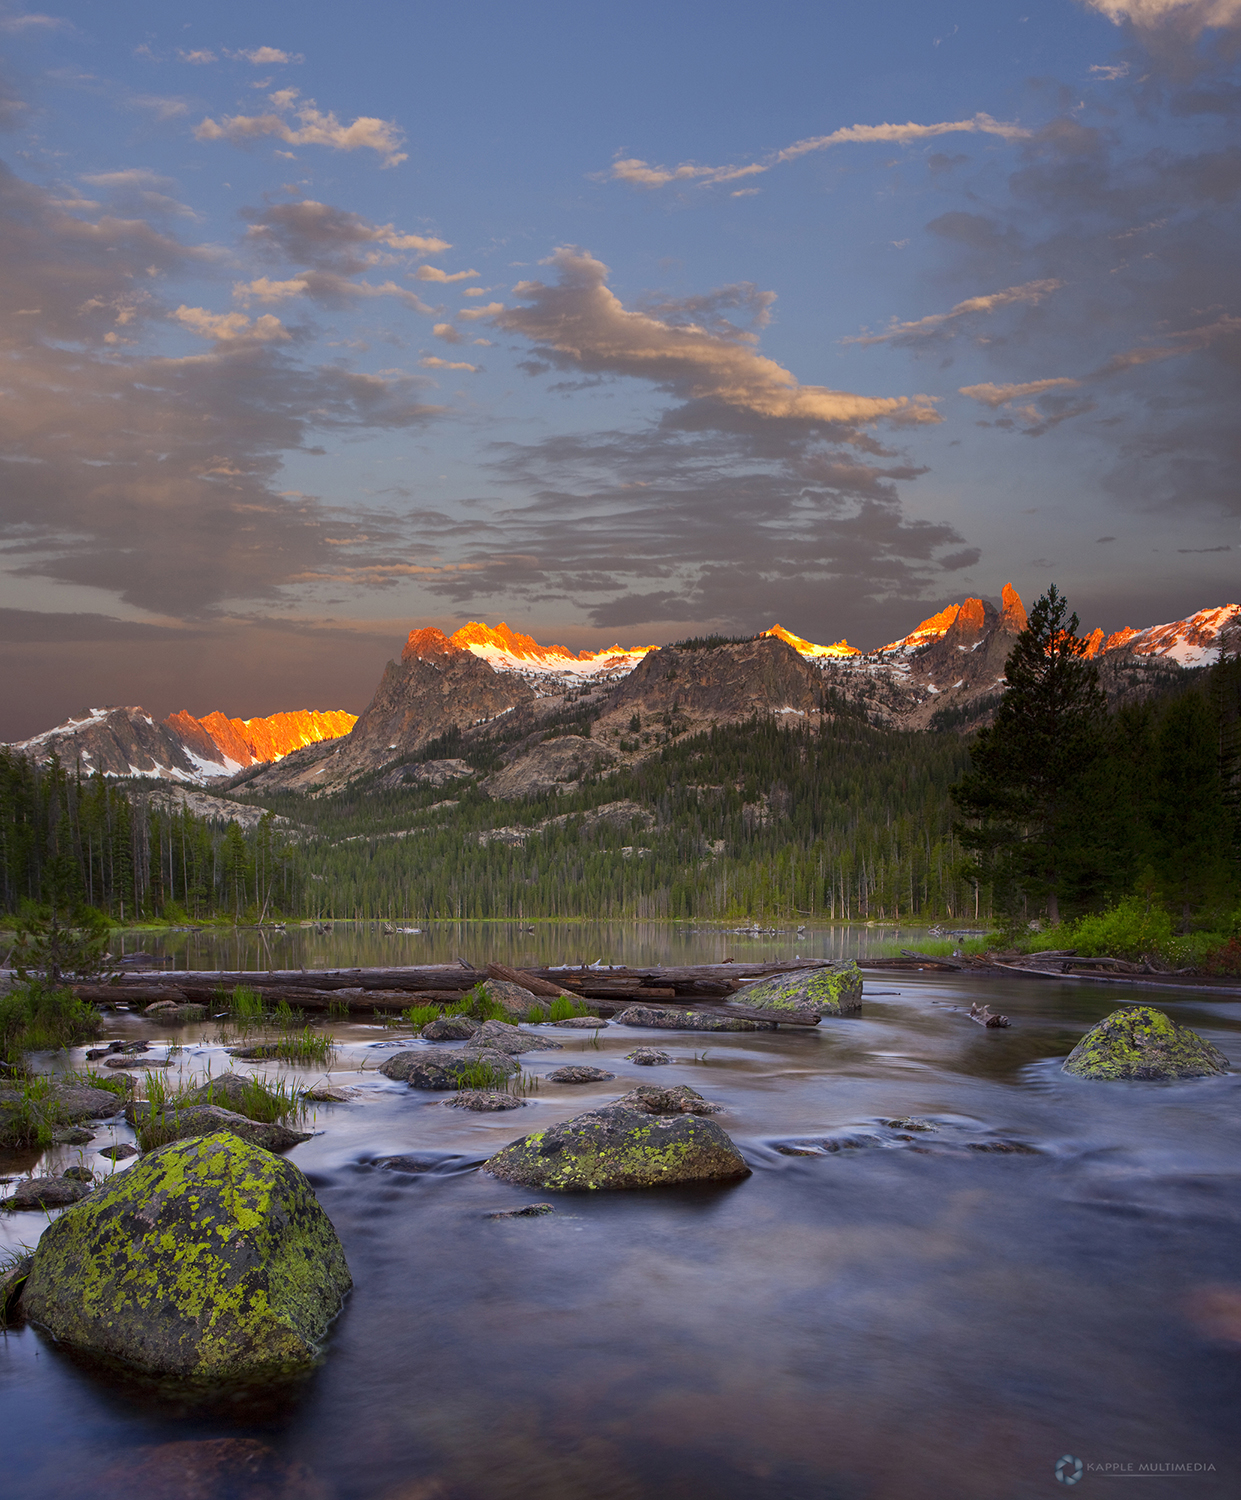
<point x="985" y="1016"/>
<point x="530" y="982"/>
<point x="926" y="958"/>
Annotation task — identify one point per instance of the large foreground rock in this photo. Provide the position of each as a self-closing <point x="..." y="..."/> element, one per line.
<point x="442" y="1067"/>
<point x="210" y="1258"/>
<point x="833" y="991"/>
<point x="207" y="1119"/>
<point x="619" y="1147"/>
<point x="687" y="1020"/>
<point x="1138" y="1041"/>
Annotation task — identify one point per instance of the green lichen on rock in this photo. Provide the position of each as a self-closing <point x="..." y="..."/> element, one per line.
<point x="832" y="991"/>
<point x="1139" y="1041"/>
<point x="209" y="1258"/>
<point x="620" y="1147"/>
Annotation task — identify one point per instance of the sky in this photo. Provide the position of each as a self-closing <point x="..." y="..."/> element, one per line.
<point x="618" y="323"/>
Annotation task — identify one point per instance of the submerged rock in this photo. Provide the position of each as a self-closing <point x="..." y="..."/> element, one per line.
<point x="833" y="991"/>
<point x="329" y="1093"/>
<point x="505" y="1038"/>
<point x="441" y="1067"/>
<point x="47" y="1192"/>
<point x="618" y="1147"/>
<point x="484" y="1101"/>
<point x="210" y="1257"/>
<point x="1138" y="1041"/>
<point x="209" y="1119"/>
<point x="908" y="1122"/>
<point x="576" y="1074"/>
<point x="675" y="1099"/>
<point x="648" y="1057"/>
<point x="449" y="1029"/>
<point x="531" y="1211"/>
<point x="688" y="1020"/>
<point x="207" y="1469"/>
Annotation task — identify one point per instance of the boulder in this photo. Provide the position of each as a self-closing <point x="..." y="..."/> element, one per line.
<point x="648" y="1057"/>
<point x="618" y="1147"/>
<point x="449" y="1029"/>
<point x="501" y="1037"/>
<point x="1138" y="1041"/>
<point x="243" y="1095"/>
<point x="441" y="1067"/>
<point x="12" y="1281"/>
<point x="581" y="1023"/>
<point x="675" y="1099"/>
<point x="329" y="1093"/>
<point x="515" y="998"/>
<point x="484" y="1101"/>
<point x="833" y="991"/>
<point x="687" y="1020"/>
<point x="575" y="1074"/>
<point x="210" y="1119"/>
<point x="119" y="1153"/>
<point x="210" y="1257"/>
<point x="75" y="1135"/>
<point x="136" y="1060"/>
<point x="46" y="1192"/>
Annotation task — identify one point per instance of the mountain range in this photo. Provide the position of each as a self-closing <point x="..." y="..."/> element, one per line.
<point x="556" y="715"/>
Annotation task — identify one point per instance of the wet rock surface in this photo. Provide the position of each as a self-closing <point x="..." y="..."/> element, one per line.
<point x="515" y="998"/>
<point x="119" y="1153"/>
<point x="675" y="1099"/>
<point x="503" y="1037"/>
<point x="47" y="1192"/>
<point x="833" y="991"/>
<point x="210" y="1257"/>
<point x="648" y="1057"/>
<point x="581" y="1023"/>
<point x="208" y="1119"/>
<point x="484" y="1101"/>
<point x="530" y="1211"/>
<point x="208" y="1469"/>
<point x="442" y="1067"/>
<point x="1138" y="1041"/>
<point x="449" y="1029"/>
<point x="577" y="1074"/>
<point x="618" y="1147"/>
<point x="687" y="1020"/>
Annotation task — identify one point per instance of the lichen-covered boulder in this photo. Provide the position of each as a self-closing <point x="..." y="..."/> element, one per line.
<point x="687" y="1020"/>
<point x="1138" y="1041"/>
<point x="833" y="991"/>
<point x="441" y="1067"/>
<point x="505" y="1038"/>
<point x="515" y="998"/>
<point x="210" y="1257"/>
<point x="578" y="1074"/>
<point x="618" y="1147"/>
<point x="449" y="1029"/>
<point x="207" y="1119"/>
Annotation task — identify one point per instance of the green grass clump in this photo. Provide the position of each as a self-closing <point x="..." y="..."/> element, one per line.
<point x="32" y="1119"/>
<point x="305" y="1046"/>
<point x="92" y="1078"/>
<point x="481" y="1075"/>
<point x="265" y="1100"/>
<point x="565" y="1008"/>
<point x="536" y="1014"/>
<point x="419" y="1016"/>
<point x="39" y="1017"/>
<point x="245" y="1004"/>
<point x="479" y="1004"/>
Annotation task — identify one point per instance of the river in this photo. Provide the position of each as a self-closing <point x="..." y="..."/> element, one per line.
<point x="897" y="1315"/>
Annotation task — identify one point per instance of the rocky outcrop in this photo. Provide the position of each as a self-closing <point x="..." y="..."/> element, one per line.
<point x="687" y="1020"/>
<point x="207" y="1258"/>
<point x="827" y="992"/>
<point x="1138" y="1041"/>
<point x="552" y="766"/>
<point x="620" y="1147"/>
<point x="501" y="1037"/>
<point x="449" y="1029"/>
<point x="517" y="1001"/>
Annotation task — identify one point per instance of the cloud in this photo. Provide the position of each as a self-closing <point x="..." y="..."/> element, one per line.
<point x="1109" y="73"/>
<point x="938" y="325"/>
<point x="433" y="273"/>
<point x="433" y="362"/>
<point x="162" y="106"/>
<point x="998" y="395"/>
<point x="317" y="129"/>
<point x="580" y="324"/>
<point x="447" y="332"/>
<point x="231" y="327"/>
<point x="472" y="314"/>
<point x="16" y="25"/>
<point x="261" y="57"/>
<point x="641" y="174"/>
<point x="200" y="58"/>
<point x="139" y="190"/>
<point x="1193" y="15"/>
<point x="263" y="289"/>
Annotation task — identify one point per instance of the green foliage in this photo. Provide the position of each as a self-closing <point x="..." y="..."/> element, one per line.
<point x="536" y="1014"/>
<point x="63" y="938"/>
<point x="245" y="1004"/>
<point x="267" y="1100"/>
<point x="479" y="1004"/>
<point x="36" y="1017"/>
<point x="1026" y="796"/>
<point x="481" y="1075"/>
<point x="306" y="1046"/>
<point x="32" y="1119"/>
<point x="710" y="642"/>
<point x="1131" y="929"/>
<point x="564" y="1009"/>
<point x="419" y="1016"/>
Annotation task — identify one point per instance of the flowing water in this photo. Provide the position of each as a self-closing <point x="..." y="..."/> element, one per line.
<point x="897" y="1313"/>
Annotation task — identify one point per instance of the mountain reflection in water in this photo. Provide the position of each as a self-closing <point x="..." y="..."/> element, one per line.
<point x="896" y="1314"/>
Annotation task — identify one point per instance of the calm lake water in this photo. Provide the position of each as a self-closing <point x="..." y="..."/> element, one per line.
<point x="884" y="1318"/>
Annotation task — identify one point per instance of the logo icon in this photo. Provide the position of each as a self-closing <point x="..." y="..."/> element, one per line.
<point x="1068" y="1469"/>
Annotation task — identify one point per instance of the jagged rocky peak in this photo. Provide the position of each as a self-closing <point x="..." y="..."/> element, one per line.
<point x="426" y="645"/>
<point x="1013" y="618"/>
<point x="803" y="647"/>
<point x="548" y="667"/>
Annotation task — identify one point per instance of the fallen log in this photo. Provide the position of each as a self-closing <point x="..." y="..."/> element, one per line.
<point x="987" y="1017"/>
<point x="528" y="981"/>
<point x="927" y="958"/>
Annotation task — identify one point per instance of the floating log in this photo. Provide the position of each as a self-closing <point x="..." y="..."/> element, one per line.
<point x="985" y="1016"/>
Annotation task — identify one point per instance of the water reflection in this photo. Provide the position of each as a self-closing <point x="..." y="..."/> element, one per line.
<point x="904" y="1316"/>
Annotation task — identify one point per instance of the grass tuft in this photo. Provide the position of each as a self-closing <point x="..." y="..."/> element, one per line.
<point x="419" y="1016"/>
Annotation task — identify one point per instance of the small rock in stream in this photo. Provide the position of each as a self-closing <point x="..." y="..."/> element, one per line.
<point x="581" y="1023"/>
<point x="449" y="1029"/>
<point x="441" y="1067"/>
<point x="484" y="1101"/>
<point x="574" y="1074"/>
<point x="907" y="1122"/>
<point x="46" y="1192"/>
<point x="78" y="1174"/>
<point x="674" y="1099"/>
<point x="688" y="1020"/>
<point x="501" y="1037"/>
<point x="648" y="1057"/>
<point x="76" y="1135"/>
<point x="119" y="1153"/>
<point x="1138" y="1041"/>
<point x="531" y="1211"/>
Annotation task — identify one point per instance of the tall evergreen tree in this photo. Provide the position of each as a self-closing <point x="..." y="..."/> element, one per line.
<point x="1189" y="815"/>
<point x="1025" y="797"/>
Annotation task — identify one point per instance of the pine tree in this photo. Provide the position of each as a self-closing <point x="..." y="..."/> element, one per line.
<point x="1025" y="796"/>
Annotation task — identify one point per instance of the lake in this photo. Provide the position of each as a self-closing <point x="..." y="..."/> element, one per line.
<point x="895" y="1313"/>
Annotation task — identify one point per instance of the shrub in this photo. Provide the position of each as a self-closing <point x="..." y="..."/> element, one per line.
<point x="1225" y="960"/>
<point x="36" y="1017"/>
<point x="1129" y="930"/>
